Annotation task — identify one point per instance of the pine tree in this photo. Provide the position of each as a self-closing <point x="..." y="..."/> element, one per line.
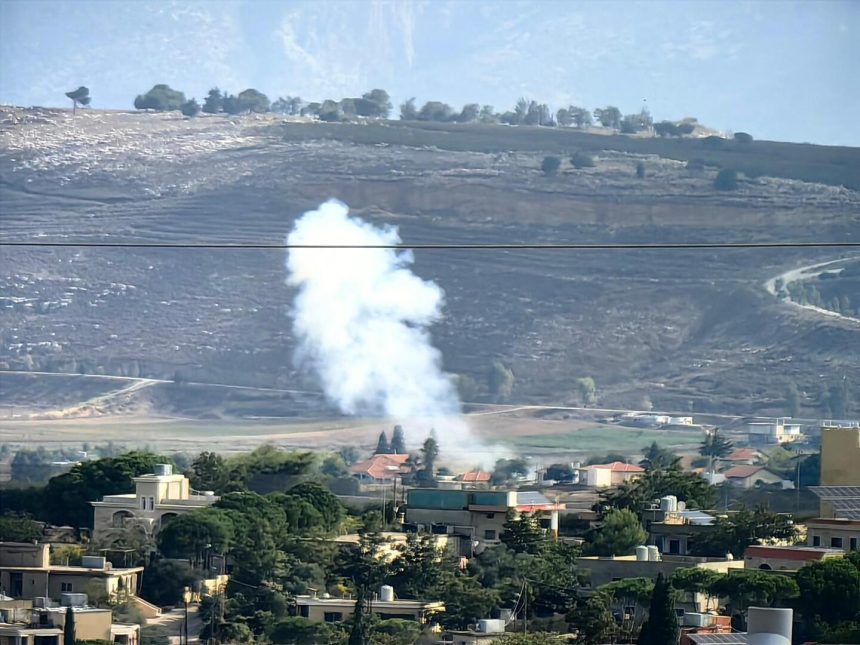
<point x="398" y="441"/>
<point x="661" y="628"/>
<point x="382" y="446"/>
<point x="69" y="627"/>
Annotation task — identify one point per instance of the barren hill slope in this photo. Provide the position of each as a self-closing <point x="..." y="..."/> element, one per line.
<point x="688" y="329"/>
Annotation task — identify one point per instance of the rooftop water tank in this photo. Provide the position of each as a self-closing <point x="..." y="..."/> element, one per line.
<point x="642" y="553"/>
<point x="163" y="469"/>
<point x="653" y="553"/>
<point x="386" y="593"/>
<point x="769" y="626"/>
<point x="491" y="626"/>
<point x="73" y="600"/>
<point x="93" y="561"/>
<point x="669" y="503"/>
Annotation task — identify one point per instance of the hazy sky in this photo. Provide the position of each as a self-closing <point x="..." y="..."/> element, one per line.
<point x="779" y="70"/>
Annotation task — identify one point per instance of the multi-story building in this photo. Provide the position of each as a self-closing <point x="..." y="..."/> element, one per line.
<point x="477" y="517"/>
<point x="328" y="609"/>
<point x="26" y="572"/>
<point x="28" y="625"/>
<point x="776" y="431"/>
<point x="839" y="493"/>
<point x="606" y="475"/>
<point x="158" y="497"/>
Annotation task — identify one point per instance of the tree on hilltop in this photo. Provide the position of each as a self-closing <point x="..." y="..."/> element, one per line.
<point x="80" y="95"/>
<point x="382" y="445"/>
<point x="408" y="111"/>
<point x="550" y="165"/>
<point x="398" y="441"/>
<point x="160" y="98"/>
<point x="214" y="101"/>
<point x="190" y="108"/>
<point x="609" y="117"/>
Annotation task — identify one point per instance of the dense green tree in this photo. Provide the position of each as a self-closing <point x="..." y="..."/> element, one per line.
<point x="734" y="534"/>
<point x="523" y="533"/>
<point x="727" y="179"/>
<point x="500" y="381"/>
<point x="192" y="535"/>
<point x="661" y="628"/>
<point x="190" y="108"/>
<point x="830" y="591"/>
<point x="696" y="580"/>
<point x="160" y="98"/>
<point x="630" y="592"/>
<point x="18" y="528"/>
<point x="429" y="454"/>
<point x="715" y="446"/>
<point x="554" y="579"/>
<point x="747" y="588"/>
<point x="213" y="103"/>
<point x="435" y="111"/>
<point x="619" y="534"/>
<point x="656" y="457"/>
<point x="252" y="100"/>
<point x="80" y="95"/>
<point x="269" y="468"/>
<point x="592" y="619"/>
<point x="375" y="104"/>
<point x="417" y="567"/>
<point x="299" y="631"/>
<point x="466" y="599"/>
<point x="539" y="638"/>
<point x="398" y="441"/>
<point x="550" y="165"/>
<point x="361" y="565"/>
<point x="330" y="508"/>
<point x="209" y="471"/>
<point x="609" y="117"/>
<point x="563" y="118"/>
<point x="165" y="581"/>
<point x="636" y="495"/>
<point x="68" y="496"/>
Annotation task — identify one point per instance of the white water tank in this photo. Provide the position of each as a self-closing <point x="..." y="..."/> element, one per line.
<point x="491" y="626"/>
<point x="642" y="553"/>
<point x="669" y="503"/>
<point x="386" y="593"/>
<point x="73" y="600"/>
<point x="653" y="553"/>
<point x="93" y="561"/>
<point x="769" y="626"/>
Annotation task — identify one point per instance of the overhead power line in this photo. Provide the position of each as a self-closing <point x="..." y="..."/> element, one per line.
<point x="440" y="246"/>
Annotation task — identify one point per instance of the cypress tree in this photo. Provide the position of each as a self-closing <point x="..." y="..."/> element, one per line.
<point x="398" y="442"/>
<point x="69" y="627"/>
<point x="661" y="628"/>
<point x="382" y="447"/>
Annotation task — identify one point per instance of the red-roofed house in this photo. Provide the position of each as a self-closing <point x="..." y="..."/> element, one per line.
<point x="605" y="475"/>
<point x="381" y="468"/>
<point x="747" y="476"/>
<point x="475" y="479"/>
<point x="744" y="456"/>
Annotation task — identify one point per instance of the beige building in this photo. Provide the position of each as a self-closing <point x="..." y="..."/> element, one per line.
<point x="44" y="626"/>
<point x="777" y="431"/>
<point x="334" y="610"/>
<point x="840" y="456"/>
<point x="603" y="570"/>
<point x="606" y="475"/>
<point x="475" y="517"/>
<point x="834" y="533"/>
<point x="157" y="498"/>
<point x="26" y="572"/>
<point x="744" y="476"/>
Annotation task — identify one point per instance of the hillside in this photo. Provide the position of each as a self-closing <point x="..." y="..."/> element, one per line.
<point x="688" y="329"/>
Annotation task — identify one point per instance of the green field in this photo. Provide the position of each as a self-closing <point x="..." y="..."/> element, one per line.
<point x="608" y="439"/>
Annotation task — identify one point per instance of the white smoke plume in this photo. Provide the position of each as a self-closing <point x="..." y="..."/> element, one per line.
<point x="360" y="318"/>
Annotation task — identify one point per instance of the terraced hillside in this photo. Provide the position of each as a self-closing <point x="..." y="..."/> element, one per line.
<point x="685" y="329"/>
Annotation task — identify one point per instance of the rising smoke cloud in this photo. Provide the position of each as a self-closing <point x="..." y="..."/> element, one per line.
<point x="361" y="319"/>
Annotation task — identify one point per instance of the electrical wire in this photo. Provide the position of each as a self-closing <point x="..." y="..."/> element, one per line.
<point x="439" y="246"/>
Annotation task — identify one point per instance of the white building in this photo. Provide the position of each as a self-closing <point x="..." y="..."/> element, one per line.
<point x="777" y="431"/>
<point x="158" y="498"/>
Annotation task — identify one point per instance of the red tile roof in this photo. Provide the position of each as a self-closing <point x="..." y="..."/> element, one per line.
<point x="619" y="467"/>
<point x="743" y="454"/>
<point x="742" y="472"/>
<point x="381" y="466"/>
<point x="475" y="477"/>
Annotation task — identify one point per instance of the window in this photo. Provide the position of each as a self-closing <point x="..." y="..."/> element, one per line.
<point x="836" y="542"/>
<point x="66" y="587"/>
<point x="816" y="540"/>
<point x="852" y="544"/>
<point x="675" y="546"/>
<point x="333" y="616"/>
<point x="489" y="534"/>
<point x="304" y="611"/>
<point x="490" y="516"/>
<point x="151" y="503"/>
<point x="143" y="503"/>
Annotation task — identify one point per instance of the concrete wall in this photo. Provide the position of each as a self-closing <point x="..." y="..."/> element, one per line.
<point x="19" y="554"/>
<point x="830" y="531"/>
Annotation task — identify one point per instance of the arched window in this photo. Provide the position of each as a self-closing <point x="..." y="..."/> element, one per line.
<point x="166" y="518"/>
<point x="121" y="519"/>
<point x="765" y="567"/>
